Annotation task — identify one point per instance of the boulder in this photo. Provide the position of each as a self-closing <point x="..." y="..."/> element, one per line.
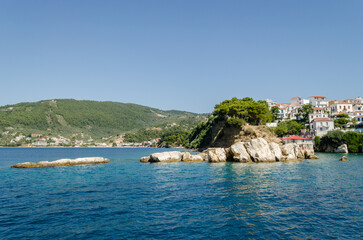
<point x="276" y="150"/>
<point x="216" y="155"/>
<point x="174" y="156"/>
<point x="187" y="157"/>
<point x="288" y="151"/>
<point x="309" y="154"/>
<point x="342" y="149"/>
<point x="344" y="159"/>
<point x="145" y="159"/>
<point x="239" y="153"/>
<point x="259" y="150"/>
<point x="62" y="162"/>
<point x="203" y="155"/>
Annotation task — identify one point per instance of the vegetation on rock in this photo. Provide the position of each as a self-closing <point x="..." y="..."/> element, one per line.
<point x="334" y="139"/>
<point x="229" y="117"/>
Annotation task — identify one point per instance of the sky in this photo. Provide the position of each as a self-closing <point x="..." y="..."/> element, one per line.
<point x="186" y="55"/>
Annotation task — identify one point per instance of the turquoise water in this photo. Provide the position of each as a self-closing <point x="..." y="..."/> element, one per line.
<point x="125" y="199"/>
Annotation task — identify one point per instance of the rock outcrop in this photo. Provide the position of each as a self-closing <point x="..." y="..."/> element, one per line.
<point x="342" y="149"/>
<point x="239" y="153"/>
<point x="344" y="159"/>
<point x="256" y="150"/>
<point x="216" y="155"/>
<point x="62" y="162"/>
<point x="174" y="156"/>
<point x="259" y="150"/>
<point x="187" y="157"/>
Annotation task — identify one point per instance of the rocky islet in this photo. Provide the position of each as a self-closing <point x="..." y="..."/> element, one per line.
<point x="256" y="150"/>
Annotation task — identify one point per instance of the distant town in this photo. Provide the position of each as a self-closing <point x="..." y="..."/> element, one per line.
<point x="325" y="111"/>
<point x="40" y="140"/>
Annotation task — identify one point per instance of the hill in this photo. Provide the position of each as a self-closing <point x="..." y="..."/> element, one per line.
<point x="92" y="119"/>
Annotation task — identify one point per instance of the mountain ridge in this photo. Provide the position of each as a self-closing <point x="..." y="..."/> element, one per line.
<point x="93" y="118"/>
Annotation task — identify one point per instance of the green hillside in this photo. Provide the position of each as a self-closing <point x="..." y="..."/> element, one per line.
<point x="91" y="118"/>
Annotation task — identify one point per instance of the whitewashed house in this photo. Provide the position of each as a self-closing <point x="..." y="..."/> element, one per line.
<point x="341" y="107"/>
<point x="359" y="117"/>
<point x="299" y="101"/>
<point x="321" y="126"/>
<point x="313" y="116"/>
<point x="319" y="101"/>
<point x="303" y="143"/>
<point x="358" y="100"/>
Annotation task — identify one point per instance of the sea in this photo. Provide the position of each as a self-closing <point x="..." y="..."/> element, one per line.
<point x="126" y="199"/>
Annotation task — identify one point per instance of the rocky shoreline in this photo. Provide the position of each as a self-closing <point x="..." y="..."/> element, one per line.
<point x="256" y="150"/>
<point x="62" y="162"/>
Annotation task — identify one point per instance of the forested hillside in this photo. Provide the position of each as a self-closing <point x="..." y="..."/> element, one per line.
<point x="91" y="118"/>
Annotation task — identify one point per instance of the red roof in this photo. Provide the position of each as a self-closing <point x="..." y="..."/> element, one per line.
<point x="323" y="119"/>
<point x="294" y="98"/>
<point x="293" y="137"/>
<point x="318" y="96"/>
<point x="318" y="108"/>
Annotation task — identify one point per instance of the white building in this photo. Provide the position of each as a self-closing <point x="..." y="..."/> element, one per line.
<point x="303" y="143"/>
<point x="321" y="126"/>
<point x="341" y="107"/>
<point x="313" y="116"/>
<point x="318" y="101"/>
<point x="359" y="117"/>
<point x="358" y="100"/>
<point x="299" y="101"/>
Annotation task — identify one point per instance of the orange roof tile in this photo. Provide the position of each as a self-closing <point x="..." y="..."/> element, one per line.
<point x="318" y="96"/>
<point x="294" y="137"/>
<point x="322" y="119"/>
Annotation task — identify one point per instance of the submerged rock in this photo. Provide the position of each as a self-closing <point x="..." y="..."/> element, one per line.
<point x="62" y="162"/>
<point x="174" y="156"/>
<point x="145" y="159"/>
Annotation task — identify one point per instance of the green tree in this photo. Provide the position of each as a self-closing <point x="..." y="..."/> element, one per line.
<point x="289" y="127"/>
<point x="354" y="141"/>
<point x="246" y="110"/>
<point x="275" y="111"/>
<point x="341" y="120"/>
<point x="304" y="112"/>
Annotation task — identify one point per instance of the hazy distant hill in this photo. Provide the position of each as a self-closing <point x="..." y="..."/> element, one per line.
<point x="68" y="116"/>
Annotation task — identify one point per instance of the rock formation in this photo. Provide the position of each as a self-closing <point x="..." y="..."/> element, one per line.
<point x="259" y="150"/>
<point x="342" y="149"/>
<point x="239" y="153"/>
<point x="344" y="159"/>
<point x="174" y="156"/>
<point x="256" y="150"/>
<point x="62" y="162"/>
<point x="216" y="155"/>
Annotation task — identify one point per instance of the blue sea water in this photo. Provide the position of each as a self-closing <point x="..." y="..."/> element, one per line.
<point x="126" y="199"/>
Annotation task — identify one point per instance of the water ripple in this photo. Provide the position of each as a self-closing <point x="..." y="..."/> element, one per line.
<point x="320" y="199"/>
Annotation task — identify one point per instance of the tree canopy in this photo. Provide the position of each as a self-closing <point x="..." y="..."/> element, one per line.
<point x="240" y="111"/>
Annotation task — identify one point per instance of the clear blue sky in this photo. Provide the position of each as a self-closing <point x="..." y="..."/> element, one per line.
<point x="185" y="55"/>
